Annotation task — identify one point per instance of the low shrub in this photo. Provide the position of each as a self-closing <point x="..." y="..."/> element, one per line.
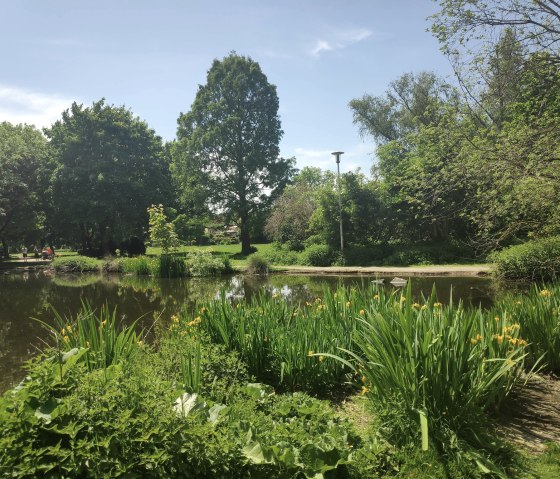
<point x="367" y="255"/>
<point x="537" y="260"/>
<point x="203" y="263"/>
<point x="257" y="264"/>
<point x="281" y="256"/>
<point x="318" y="255"/>
<point x="171" y="266"/>
<point x="141" y="265"/>
<point x="76" y="264"/>
<point x="428" y="253"/>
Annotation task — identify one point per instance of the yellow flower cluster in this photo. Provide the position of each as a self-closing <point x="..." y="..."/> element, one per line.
<point x="476" y="339"/>
<point x="195" y="322"/>
<point x="545" y="293"/>
<point x="437" y="305"/>
<point x="362" y="312"/>
<point x="415" y="305"/>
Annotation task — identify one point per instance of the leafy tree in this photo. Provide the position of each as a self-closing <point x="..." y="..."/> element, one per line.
<point x="289" y="221"/>
<point x="459" y="21"/>
<point x="111" y="167"/>
<point x="227" y="149"/>
<point x="24" y="156"/>
<point x="416" y="127"/>
<point x="363" y="213"/>
<point x="162" y="233"/>
<point x="410" y="102"/>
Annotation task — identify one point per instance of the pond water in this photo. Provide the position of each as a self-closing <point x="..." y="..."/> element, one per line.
<point x="25" y="295"/>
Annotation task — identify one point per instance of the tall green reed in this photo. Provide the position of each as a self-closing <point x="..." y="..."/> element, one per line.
<point x="278" y="340"/>
<point x="434" y="371"/>
<point x="537" y="313"/>
<point x="105" y="341"/>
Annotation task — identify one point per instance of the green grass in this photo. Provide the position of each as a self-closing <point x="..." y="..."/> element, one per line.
<point x="232" y="251"/>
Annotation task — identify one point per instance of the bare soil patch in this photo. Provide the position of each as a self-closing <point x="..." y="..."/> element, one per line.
<point x="532" y="416"/>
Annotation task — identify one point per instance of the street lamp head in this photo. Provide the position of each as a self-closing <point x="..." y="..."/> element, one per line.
<point x="337" y="154"/>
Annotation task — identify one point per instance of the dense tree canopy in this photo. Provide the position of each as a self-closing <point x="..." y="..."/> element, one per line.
<point x="227" y="150"/>
<point x="23" y="160"/>
<point x="110" y="168"/>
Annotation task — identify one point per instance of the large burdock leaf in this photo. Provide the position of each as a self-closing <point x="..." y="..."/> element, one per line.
<point x="185" y="404"/>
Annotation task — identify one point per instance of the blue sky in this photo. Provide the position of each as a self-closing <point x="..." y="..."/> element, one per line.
<point x="152" y="55"/>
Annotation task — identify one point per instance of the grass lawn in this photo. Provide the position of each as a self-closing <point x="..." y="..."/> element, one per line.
<point x="233" y="251"/>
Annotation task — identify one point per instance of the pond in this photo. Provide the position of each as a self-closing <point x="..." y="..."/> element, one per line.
<point x="29" y="295"/>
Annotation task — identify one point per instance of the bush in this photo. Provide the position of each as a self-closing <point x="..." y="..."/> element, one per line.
<point x="318" y="255"/>
<point x="202" y="263"/>
<point x="429" y="253"/>
<point x="141" y="265"/>
<point x="535" y="260"/>
<point x="172" y="266"/>
<point x="257" y="264"/>
<point x="76" y="264"/>
<point x="366" y="255"/>
<point x="280" y="256"/>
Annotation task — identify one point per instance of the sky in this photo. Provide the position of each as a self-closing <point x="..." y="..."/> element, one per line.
<point x="151" y="55"/>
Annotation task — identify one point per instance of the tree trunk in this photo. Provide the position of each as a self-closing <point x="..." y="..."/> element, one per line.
<point x="5" y="252"/>
<point x="245" y="237"/>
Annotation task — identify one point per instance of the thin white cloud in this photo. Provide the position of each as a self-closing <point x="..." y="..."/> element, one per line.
<point x="18" y="105"/>
<point x="341" y="40"/>
<point x="321" y="46"/>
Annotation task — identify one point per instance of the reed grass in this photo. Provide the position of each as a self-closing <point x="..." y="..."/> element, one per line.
<point x="106" y="341"/>
<point x="538" y="315"/>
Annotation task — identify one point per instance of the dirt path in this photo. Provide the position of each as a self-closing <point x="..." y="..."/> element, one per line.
<point x="532" y="416"/>
<point x="436" y="270"/>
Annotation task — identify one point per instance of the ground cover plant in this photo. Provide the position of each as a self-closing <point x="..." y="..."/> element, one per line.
<point x="76" y="264"/>
<point x="180" y="408"/>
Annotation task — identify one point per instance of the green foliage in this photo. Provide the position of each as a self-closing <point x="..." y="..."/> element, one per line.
<point x="442" y="364"/>
<point x="110" y="168"/>
<point x="318" y="255"/>
<point x="132" y="419"/>
<point x="24" y="160"/>
<point x="171" y="266"/>
<point x="538" y="314"/>
<point x="98" y="334"/>
<point x="189" y="230"/>
<point x="277" y="341"/>
<point x="204" y="263"/>
<point x="257" y="264"/>
<point x="289" y="220"/>
<point x="227" y="149"/>
<point x="140" y="265"/>
<point x="534" y="260"/>
<point x="162" y="233"/>
<point x="280" y="255"/>
<point x="431" y="253"/>
<point x="76" y="264"/>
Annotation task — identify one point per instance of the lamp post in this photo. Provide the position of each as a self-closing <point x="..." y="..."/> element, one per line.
<point x="337" y="155"/>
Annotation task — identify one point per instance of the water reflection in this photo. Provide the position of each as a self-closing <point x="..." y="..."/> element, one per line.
<point x="32" y="294"/>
